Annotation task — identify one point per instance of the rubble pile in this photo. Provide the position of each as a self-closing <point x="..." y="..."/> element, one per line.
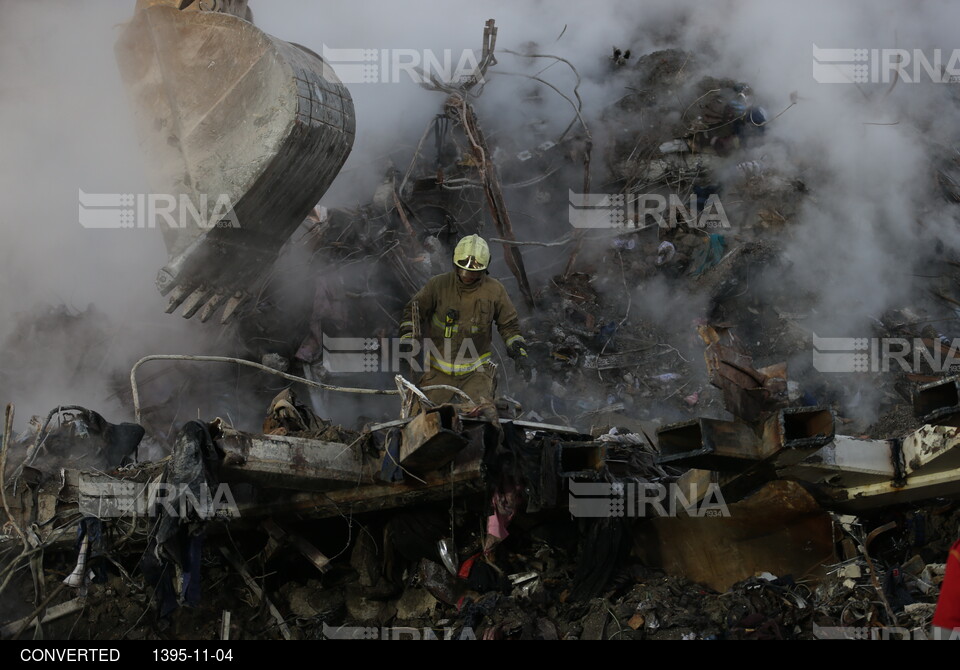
<point x="531" y="601"/>
<point x="668" y="358"/>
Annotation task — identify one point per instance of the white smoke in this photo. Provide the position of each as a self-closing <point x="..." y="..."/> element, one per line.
<point x="65" y="125"/>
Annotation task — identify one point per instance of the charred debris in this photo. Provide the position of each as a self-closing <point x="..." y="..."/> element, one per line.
<point x="660" y="478"/>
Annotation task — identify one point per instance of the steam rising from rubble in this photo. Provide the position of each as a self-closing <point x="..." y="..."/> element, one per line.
<point x="857" y="235"/>
<point x="871" y="221"/>
<point x="66" y="125"/>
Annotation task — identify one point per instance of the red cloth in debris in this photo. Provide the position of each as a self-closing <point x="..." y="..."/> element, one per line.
<point x="948" y="607"/>
<point x="467" y="566"/>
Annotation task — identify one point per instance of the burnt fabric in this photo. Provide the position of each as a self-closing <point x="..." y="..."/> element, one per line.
<point x="533" y="464"/>
<point x="92" y="441"/>
<point x="122" y="441"/>
<point x="191" y="573"/>
<point x="92" y="529"/>
<point x="159" y="576"/>
<point x="194" y="465"/>
<point x="177" y="537"/>
<point x="288" y="416"/>
<point x="119" y="441"/>
<point x="505" y="504"/>
<point x="159" y="573"/>
<point x="948" y="606"/>
<point x="600" y="542"/>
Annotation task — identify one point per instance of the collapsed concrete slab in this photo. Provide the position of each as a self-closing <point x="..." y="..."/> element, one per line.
<point x="287" y="462"/>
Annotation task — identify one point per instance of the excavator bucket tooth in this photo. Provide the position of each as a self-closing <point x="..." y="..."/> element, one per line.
<point x="196" y="300"/>
<point x="177" y="296"/>
<point x="231" y="307"/>
<point x="211" y="306"/>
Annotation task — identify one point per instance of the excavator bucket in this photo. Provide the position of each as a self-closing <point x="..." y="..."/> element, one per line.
<point x="243" y="133"/>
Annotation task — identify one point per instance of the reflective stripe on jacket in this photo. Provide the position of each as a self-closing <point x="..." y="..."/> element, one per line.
<point x="458" y="321"/>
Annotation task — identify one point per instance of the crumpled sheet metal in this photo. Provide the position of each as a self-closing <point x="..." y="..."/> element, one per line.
<point x="747" y="392"/>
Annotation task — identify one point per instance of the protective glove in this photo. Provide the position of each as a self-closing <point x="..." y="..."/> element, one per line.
<point x="520" y="360"/>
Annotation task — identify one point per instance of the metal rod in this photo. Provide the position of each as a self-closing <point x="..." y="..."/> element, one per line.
<point x="239" y="361"/>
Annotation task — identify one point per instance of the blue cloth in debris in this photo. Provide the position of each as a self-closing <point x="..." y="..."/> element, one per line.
<point x="159" y="575"/>
<point x="712" y="254"/>
<point x="159" y="572"/>
<point x="176" y="539"/>
<point x="92" y="528"/>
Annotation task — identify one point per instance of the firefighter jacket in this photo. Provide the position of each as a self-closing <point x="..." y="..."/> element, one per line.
<point x="457" y="321"/>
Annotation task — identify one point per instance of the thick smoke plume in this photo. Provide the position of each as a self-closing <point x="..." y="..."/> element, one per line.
<point x="865" y="152"/>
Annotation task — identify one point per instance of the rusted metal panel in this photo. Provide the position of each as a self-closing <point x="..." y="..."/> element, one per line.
<point x="878" y="495"/>
<point x="694" y="483"/>
<point x="747" y="392"/>
<point x="710" y="444"/>
<point x="787" y="437"/>
<point x="285" y="462"/>
<point x="938" y="402"/>
<point x="432" y="440"/>
<point x="847" y="461"/>
<point x="465" y="479"/>
<point x="931" y="449"/>
<point x="780" y="529"/>
<point x="860" y="475"/>
<point x="792" y="434"/>
<point x="775" y="384"/>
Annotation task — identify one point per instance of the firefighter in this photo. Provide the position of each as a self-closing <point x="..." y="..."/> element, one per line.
<point x="457" y="312"/>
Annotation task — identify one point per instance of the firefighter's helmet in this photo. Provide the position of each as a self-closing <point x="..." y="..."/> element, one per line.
<point x="472" y="253"/>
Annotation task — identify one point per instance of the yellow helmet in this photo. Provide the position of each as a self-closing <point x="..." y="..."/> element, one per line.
<point x="472" y="253"/>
